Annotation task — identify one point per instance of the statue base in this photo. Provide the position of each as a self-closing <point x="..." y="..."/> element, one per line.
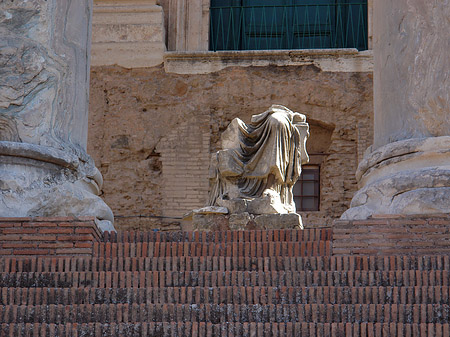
<point x="407" y="177"/>
<point x="212" y="218"/>
<point x="40" y="181"/>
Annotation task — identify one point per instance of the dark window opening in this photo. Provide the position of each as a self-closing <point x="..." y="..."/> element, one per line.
<point x="307" y="189"/>
<point x="288" y="24"/>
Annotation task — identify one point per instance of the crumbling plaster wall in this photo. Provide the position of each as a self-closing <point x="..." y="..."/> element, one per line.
<point x="151" y="133"/>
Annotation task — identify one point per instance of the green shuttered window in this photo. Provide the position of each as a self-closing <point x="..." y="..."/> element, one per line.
<point x="288" y="24"/>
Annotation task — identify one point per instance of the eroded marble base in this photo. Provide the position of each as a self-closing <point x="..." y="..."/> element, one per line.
<point x="406" y="177"/>
<point x="39" y="181"/>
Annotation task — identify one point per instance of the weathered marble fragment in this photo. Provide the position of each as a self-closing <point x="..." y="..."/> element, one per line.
<point x="44" y="86"/>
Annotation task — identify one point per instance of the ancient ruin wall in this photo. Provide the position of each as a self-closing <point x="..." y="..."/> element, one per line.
<point x="151" y="133"/>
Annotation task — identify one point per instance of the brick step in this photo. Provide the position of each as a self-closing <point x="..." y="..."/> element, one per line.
<point x="214" y="313"/>
<point x="226" y="295"/>
<point x="233" y="249"/>
<point x="150" y="279"/>
<point x="221" y="263"/>
<point x="194" y="329"/>
<point x="309" y="234"/>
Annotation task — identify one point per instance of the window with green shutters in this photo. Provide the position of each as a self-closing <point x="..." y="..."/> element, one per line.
<point x="288" y="24"/>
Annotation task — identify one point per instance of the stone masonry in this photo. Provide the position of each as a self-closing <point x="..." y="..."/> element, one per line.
<point x="151" y="132"/>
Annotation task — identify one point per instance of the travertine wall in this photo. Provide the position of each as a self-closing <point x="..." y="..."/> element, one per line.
<point x="151" y="133"/>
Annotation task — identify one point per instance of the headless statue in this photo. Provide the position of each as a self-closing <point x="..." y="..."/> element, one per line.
<point x="260" y="162"/>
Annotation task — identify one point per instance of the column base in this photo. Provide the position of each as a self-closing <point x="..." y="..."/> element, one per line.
<point x="408" y="177"/>
<point x="40" y="181"/>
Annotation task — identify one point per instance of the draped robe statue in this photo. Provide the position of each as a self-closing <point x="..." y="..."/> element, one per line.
<point x="261" y="162"/>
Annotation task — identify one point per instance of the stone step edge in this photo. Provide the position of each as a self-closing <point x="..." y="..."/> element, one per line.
<point x="227" y="295"/>
<point x="317" y="263"/>
<point x="189" y="329"/>
<point x="309" y="234"/>
<point x="319" y="313"/>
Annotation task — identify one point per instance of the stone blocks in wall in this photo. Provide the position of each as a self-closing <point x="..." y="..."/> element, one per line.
<point x="152" y="132"/>
<point x="213" y="218"/>
<point x="127" y="33"/>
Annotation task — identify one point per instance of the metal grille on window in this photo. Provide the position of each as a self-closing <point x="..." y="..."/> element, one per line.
<point x="307" y="189"/>
<point x="288" y="24"/>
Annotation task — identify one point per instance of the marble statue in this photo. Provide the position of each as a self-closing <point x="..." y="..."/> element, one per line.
<point x="260" y="163"/>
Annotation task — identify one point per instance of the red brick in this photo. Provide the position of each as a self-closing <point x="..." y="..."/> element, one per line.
<point x="40" y="224"/>
<point x="55" y="245"/>
<point x="18" y="244"/>
<point x="84" y="230"/>
<point x="66" y="224"/>
<point x="39" y="237"/>
<point x="83" y="244"/>
<point x="35" y="251"/>
<point x="75" y="237"/>
<point x="55" y="231"/>
<point x="6" y="251"/>
<point x="15" y="219"/>
<point x="74" y="251"/>
<point x="10" y="224"/>
<point x="11" y="237"/>
<point x="19" y="230"/>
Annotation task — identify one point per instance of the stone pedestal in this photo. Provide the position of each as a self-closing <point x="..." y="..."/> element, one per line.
<point x="407" y="171"/>
<point x="213" y="218"/>
<point x="44" y="86"/>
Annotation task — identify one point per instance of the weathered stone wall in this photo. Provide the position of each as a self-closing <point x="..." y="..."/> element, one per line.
<point x="151" y="133"/>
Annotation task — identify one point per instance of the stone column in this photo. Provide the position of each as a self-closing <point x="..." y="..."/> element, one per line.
<point x="44" y="87"/>
<point x="407" y="171"/>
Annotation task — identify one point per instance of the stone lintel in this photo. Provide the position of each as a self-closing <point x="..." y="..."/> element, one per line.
<point x="331" y="60"/>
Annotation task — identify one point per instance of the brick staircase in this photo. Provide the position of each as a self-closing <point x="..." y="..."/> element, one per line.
<point x="242" y="283"/>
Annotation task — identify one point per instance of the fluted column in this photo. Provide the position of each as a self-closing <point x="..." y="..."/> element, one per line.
<point x="44" y="91"/>
<point x="407" y="171"/>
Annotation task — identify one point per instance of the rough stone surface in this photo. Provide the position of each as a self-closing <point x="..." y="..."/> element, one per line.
<point x="243" y="221"/>
<point x="152" y="133"/>
<point x="412" y="77"/>
<point x="209" y="222"/>
<point x="211" y="210"/>
<point x="240" y="221"/>
<point x="329" y="60"/>
<point x="129" y="34"/>
<point x="279" y="221"/>
<point x="44" y="77"/>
